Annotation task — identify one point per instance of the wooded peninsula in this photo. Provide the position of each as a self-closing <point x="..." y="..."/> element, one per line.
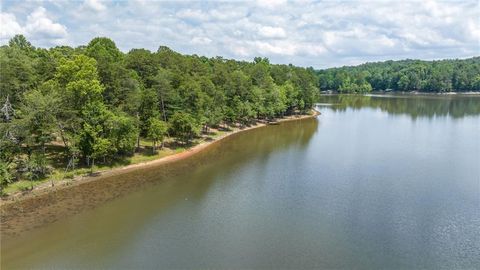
<point x="67" y="111"/>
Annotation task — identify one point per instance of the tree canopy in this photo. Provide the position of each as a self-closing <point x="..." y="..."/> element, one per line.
<point x="405" y="75"/>
<point x="95" y="102"/>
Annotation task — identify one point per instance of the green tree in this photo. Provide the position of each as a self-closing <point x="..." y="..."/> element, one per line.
<point x="21" y="43"/>
<point x="100" y="101"/>
<point x="122" y="132"/>
<point x="16" y="72"/>
<point x="6" y="176"/>
<point x="157" y="130"/>
<point x="184" y="126"/>
<point x="38" y="117"/>
<point x="102" y="148"/>
<point x="79" y="79"/>
<point x="94" y="133"/>
<point x="37" y="167"/>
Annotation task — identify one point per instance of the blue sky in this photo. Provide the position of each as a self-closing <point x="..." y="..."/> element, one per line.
<point x="304" y="32"/>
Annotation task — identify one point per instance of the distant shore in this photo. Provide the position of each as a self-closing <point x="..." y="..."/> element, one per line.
<point x="404" y="93"/>
<point x="22" y="211"/>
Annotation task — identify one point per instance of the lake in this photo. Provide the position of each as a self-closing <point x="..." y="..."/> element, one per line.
<point x="374" y="182"/>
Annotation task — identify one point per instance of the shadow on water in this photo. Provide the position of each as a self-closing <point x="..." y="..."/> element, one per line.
<point x="456" y="106"/>
<point x="135" y="198"/>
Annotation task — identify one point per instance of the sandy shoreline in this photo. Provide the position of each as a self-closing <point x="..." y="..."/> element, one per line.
<point x="37" y="206"/>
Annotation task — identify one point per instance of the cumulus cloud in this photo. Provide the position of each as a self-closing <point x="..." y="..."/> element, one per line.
<point x="95" y="5"/>
<point x="272" y="32"/>
<point x="39" y="24"/>
<point x="201" y="40"/>
<point x="193" y="15"/>
<point x="9" y="26"/>
<point x="302" y="32"/>
<point x="271" y="4"/>
<point x="38" y="27"/>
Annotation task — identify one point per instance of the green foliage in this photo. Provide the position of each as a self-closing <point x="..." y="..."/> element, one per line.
<point x="149" y="108"/>
<point x="92" y="136"/>
<point x="5" y="175"/>
<point x="114" y="77"/>
<point x="9" y="144"/>
<point x="103" y="50"/>
<point x="37" y="166"/>
<point x="122" y="133"/>
<point x="20" y="42"/>
<point x="102" y="148"/>
<point x="79" y="78"/>
<point x="16" y="72"/>
<point x="157" y="130"/>
<point x="184" y="126"/>
<point x="405" y="75"/>
<point x="38" y="117"/>
<point x="94" y="103"/>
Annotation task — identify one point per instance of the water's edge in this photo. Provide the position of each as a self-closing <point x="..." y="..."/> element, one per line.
<point x="37" y="209"/>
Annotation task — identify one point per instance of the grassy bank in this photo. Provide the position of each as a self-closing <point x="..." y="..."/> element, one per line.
<point x="143" y="154"/>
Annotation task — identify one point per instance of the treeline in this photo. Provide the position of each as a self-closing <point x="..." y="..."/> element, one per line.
<point x="422" y="106"/>
<point x="95" y="101"/>
<point x="405" y="75"/>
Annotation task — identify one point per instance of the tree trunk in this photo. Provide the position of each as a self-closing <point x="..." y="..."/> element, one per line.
<point x="138" y="142"/>
<point x="62" y="135"/>
<point x="93" y="164"/>
<point x="163" y="108"/>
<point x="138" y="137"/>
<point x="163" y="112"/>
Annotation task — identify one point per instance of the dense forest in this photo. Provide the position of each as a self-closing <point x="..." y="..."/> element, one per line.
<point x="95" y="103"/>
<point x="405" y="75"/>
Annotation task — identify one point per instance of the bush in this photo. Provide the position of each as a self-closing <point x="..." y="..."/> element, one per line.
<point x="37" y="167"/>
<point x="5" y="176"/>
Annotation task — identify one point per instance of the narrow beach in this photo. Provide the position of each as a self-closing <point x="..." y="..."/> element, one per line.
<point x="22" y="212"/>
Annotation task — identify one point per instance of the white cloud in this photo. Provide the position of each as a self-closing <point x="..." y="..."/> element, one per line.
<point x="194" y="15"/>
<point x="95" y="5"/>
<point x="9" y="26"/>
<point x="39" y="24"/>
<point x="38" y="27"/>
<point x="272" y="32"/>
<point x="302" y="32"/>
<point x="271" y="4"/>
<point x="283" y="48"/>
<point x="201" y="40"/>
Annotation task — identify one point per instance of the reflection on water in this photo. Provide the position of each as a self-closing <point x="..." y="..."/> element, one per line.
<point x="372" y="183"/>
<point x="419" y="106"/>
<point x="158" y="190"/>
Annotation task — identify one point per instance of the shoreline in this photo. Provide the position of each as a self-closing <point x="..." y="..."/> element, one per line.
<point x="80" y="179"/>
<point x="406" y="93"/>
<point x="18" y="210"/>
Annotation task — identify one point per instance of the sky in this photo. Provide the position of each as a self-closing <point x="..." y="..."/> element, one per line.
<point x="320" y="34"/>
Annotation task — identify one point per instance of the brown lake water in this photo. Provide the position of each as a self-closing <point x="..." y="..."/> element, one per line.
<point x="372" y="183"/>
